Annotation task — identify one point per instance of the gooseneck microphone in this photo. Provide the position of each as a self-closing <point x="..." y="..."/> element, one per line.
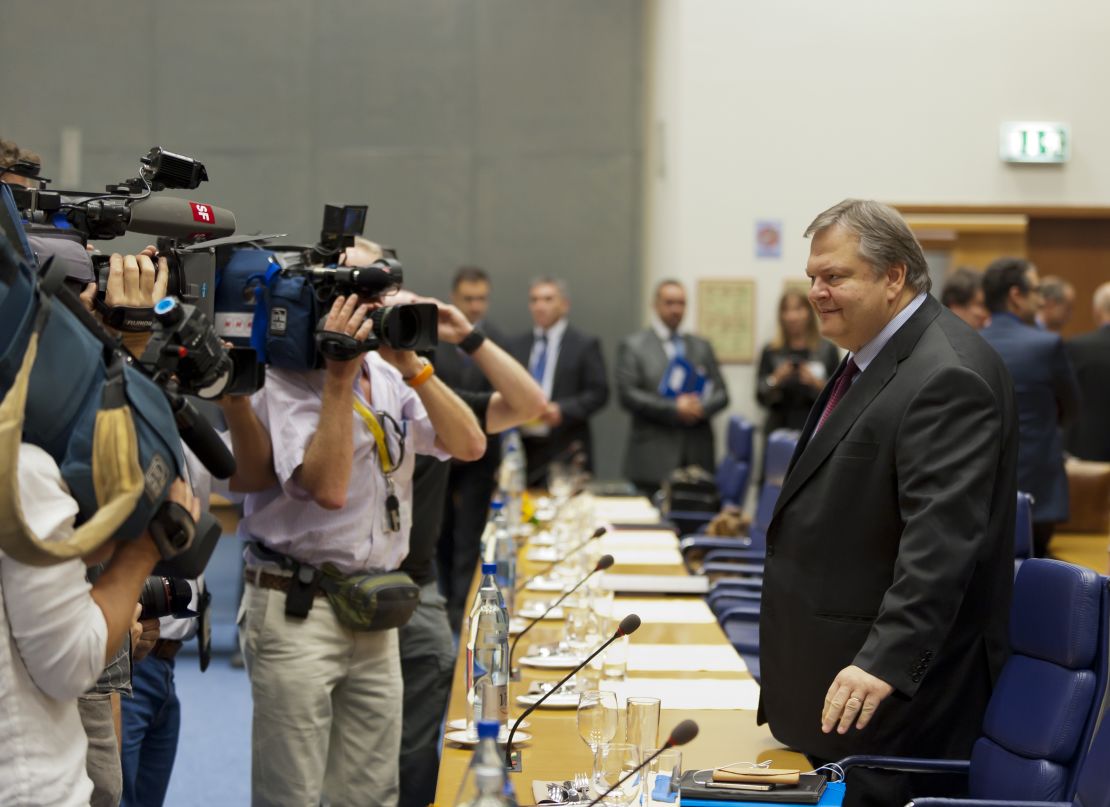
<point x="581" y="545"/>
<point x="627" y="626"/>
<point x="680" y="735"/>
<point x="603" y="563"/>
<point x="179" y="218"/>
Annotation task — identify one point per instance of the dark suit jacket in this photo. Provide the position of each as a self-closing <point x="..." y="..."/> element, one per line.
<point x="891" y="547"/>
<point x="1047" y="397"/>
<point x="580" y="388"/>
<point x="659" y="442"/>
<point x="1089" y="435"/>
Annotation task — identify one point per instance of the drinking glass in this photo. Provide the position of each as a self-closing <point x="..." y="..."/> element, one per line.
<point x="642" y="723"/>
<point x="597" y="718"/>
<point x="616" y="661"/>
<point x="612" y="762"/>
<point x="668" y="764"/>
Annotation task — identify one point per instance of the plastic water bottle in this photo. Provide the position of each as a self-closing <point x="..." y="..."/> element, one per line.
<point x="487" y="653"/>
<point x="504" y="557"/>
<point x="486" y="783"/>
<point x="513" y="474"/>
<point x="498" y="519"/>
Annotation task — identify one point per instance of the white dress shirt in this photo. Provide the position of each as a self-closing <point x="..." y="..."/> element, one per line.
<point x="866" y="354"/>
<point x="52" y="642"/>
<point x="665" y="335"/>
<point x="354" y="538"/>
<point x="554" y="336"/>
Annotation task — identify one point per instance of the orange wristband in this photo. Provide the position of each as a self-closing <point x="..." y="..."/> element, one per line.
<point x="427" y="372"/>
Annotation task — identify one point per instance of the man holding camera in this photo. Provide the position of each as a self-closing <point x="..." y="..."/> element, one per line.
<point x="327" y="697"/>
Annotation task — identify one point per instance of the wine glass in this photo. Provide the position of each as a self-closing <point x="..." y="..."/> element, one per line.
<point x="613" y="762"/>
<point x="597" y="718"/>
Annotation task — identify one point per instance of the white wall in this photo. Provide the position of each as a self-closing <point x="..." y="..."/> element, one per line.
<point x="779" y="109"/>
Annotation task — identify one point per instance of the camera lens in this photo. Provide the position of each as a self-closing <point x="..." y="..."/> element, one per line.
<point x="164" y="596"/>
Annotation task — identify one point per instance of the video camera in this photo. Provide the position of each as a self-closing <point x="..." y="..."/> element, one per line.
<point x="186" y="228"/>
<point x="275" y="297"/>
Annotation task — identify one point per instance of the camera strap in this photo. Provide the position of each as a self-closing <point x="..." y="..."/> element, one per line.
<point x="388" y="464"/>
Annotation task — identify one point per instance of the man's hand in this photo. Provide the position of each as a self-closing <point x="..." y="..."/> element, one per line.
<point x="406" y="361"/>
<point x="149" y="632"/>
<point x="855" y="694"/>
<point x="347" y="316"/>
<point x="552" y="415"/>
<point x="136" y="631"/>
<point x="88" y="297"/>
<point x="134" y="282"/>
<point x="453" y="324"/>
<point x="689" y="408"/>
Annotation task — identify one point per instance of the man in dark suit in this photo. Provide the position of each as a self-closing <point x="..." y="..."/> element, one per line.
<point x="1089" y="435"/>
<point x="1044" y="385"/>
<point x="569" y="366"/>
<point x="889" y="562"/>
<point x="471" y="484"/>
<point x="669" y="430"/>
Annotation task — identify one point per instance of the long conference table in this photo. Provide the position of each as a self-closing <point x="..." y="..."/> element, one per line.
<point x="701" y="682"/>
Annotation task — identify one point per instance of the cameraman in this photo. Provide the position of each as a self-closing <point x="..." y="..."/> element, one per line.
<point x="327" y="699"/>
<point x="57" y="634"/>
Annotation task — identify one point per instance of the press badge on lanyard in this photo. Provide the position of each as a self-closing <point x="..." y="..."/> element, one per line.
<point x="385" y="460"/>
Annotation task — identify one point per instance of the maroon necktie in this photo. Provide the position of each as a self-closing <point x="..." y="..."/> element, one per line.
<point x="843" y="382"/>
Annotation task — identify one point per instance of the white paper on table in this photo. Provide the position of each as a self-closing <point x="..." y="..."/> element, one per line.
<point x="654" y="583"/>
<point x="690" y="693"/>
<point x="676" y="612"/>
<point x="638" y="539"/>
<point x="625" y="509"/>
<point x="685" y="658"/>
<point x="646" y="557"/>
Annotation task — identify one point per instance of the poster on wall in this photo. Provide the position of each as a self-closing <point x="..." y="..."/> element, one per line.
<point x="768" y="238"/>
<point x="726" y="317"/>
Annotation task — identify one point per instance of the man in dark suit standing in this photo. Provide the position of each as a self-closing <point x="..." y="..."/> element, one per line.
<point x="471" y="484"/>
<point x="669" y="430"/>
<point x="569" y="366"/>
<point x="889" y="562"/>
<point x="1044" y="385"/>
<point x="1089" y="435"/>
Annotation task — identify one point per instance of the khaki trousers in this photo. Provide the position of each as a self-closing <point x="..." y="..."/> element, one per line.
<point x="327" y="706"/>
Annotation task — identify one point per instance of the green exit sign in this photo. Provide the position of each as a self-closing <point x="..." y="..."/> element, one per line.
<point x="1026" y="142"/>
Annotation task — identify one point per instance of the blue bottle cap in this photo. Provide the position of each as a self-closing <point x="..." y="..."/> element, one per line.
<point x="488" y="729"/>
<point x="496" y="505"/>
<point x="489" y="568"/>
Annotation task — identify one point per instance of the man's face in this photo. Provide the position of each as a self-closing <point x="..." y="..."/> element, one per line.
<point x="852" y="304"/>
<point x="546" y="305"/>
<point x="1056" y="313"/>
<point x="1027" y="304"/>
<point x="670" y="305"/>
<point x="472" y="298"/>
<point x="974" y="313"/>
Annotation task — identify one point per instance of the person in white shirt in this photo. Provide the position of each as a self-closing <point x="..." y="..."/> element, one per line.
<point x="56" y="634"/>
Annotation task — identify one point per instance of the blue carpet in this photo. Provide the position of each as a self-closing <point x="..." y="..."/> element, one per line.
<point x="213" y="765"/>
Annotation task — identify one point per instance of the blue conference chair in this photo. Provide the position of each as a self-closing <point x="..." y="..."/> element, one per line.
<point x="741" y="626"/>
<point x="747" y="548"/>
<point x="1047" y="701"/>
<point x="732" y="477"/>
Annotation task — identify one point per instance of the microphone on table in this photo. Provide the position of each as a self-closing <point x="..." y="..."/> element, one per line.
<point x="603" y="563"/>
<point x="627" y="626"/>
<point x="593" y="537"/>
<point x="680" y="735"/>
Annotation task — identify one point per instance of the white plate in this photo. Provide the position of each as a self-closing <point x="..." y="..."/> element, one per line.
<point x="530" y="612"/>
<point x="460" y="725"/>
<point x="552" y="662"/>
<point x="560" y="701"/>
<point x="542" y="539"/>
<point x="542" y="554"/>
<point x="465" y="740"/>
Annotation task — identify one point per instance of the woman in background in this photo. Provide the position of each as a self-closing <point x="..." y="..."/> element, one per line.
<point x="793" y="369"/>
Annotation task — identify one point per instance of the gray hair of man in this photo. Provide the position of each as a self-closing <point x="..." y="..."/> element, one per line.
<point x="1055" y="289"/>
<point x="885" y="240"/>
<point x="547" y="280"/>
<point x="1102" y="302"/>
